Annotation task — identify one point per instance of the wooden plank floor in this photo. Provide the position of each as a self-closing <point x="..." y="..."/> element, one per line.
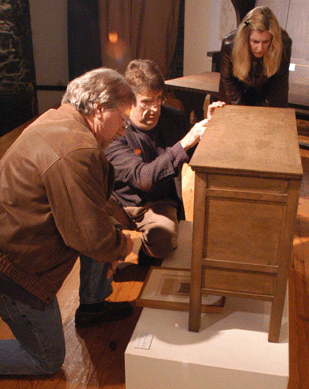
<point x="91" y="363"/>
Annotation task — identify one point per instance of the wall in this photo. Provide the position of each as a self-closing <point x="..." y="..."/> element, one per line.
<point x="197" y="21"/>
<point x="17" y="76"/>
<point x="49" y="36"/>
<point x="204" y="31"/>
<point x="49" y="32"/>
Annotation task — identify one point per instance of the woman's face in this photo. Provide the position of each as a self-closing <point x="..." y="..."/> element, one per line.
<point x="259" y="43"/>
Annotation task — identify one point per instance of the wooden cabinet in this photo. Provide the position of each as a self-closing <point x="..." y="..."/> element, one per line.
<point x="247" y="181"/>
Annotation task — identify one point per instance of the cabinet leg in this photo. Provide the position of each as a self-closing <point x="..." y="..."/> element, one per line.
<point x="195" y="312"/>
<point x="276" y="318"/>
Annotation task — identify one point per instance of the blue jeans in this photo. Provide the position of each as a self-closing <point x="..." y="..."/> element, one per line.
<point x="39" y="347"/>
<point x="94" y="286"/>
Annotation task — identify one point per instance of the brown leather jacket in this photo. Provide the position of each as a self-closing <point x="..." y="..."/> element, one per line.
<point x="258" y="89"/>
<point x="54" y="184"/>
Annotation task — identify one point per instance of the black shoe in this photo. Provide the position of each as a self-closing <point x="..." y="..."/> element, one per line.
<point x="133" y="272"/>
<point x="91" y="314"/>
<point x="147" y="260"/>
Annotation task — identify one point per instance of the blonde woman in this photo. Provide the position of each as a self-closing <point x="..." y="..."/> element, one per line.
<point x="255" y="62"/>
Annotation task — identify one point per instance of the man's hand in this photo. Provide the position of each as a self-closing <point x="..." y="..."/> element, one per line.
<point x="112" y="266"/>
<point x="213" y="106"/>
<point x="130" y="244"/>
<point x="194" y="135"/>
<point x="197" y="131"/>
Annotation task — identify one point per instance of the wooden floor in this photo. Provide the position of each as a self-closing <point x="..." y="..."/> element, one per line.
<point x="90" y="361"/>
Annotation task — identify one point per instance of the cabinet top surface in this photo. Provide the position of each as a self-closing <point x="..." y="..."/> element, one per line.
<point x="250" y="140"/>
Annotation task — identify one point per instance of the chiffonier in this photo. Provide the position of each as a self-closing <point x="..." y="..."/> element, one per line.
<point x="248" y="175"/>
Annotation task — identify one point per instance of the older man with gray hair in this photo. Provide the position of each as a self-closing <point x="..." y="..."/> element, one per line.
<point x="54" y="185"/>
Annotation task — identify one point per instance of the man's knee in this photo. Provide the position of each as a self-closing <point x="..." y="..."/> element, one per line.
<point x="53" y="363"/>
<point x="160" y="241"/>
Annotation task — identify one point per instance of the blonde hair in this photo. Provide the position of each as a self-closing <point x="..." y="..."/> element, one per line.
<point x="258" y="19"/>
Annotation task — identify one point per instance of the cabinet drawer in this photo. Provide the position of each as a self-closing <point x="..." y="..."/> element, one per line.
<point x="238" y="281"/>
<point x="245" y="183"/>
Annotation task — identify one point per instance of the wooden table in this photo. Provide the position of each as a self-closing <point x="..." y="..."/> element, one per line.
<point x="248" y="174"/>
<point x="191" y="90"/>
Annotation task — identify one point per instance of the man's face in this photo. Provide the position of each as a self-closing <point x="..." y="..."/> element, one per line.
<point x="109" y="124"/>
<point x="145" y="114"/>
<point x="259" y="43"/>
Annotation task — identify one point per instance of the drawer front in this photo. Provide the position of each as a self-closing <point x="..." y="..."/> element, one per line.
<point x="243" y="231"/>
<point x="266" y="185"/>
<point x="236" y="281"/>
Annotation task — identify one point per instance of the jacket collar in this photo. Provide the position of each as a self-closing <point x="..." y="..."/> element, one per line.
<point x="69" y="110"/>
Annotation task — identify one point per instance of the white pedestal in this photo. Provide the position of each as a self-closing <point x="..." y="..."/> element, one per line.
<point x="231" y="351"/>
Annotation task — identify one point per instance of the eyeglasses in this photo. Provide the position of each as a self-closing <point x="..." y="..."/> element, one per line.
<point x="150" y="105"/>
<point x="124" y="118"/>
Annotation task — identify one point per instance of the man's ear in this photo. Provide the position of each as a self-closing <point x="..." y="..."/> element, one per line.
<point x="98" y="110"/>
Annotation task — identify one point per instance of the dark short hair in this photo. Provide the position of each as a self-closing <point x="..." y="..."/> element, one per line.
<point x="144" y="74"/>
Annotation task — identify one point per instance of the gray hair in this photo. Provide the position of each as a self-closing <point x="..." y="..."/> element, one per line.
<point x="103" y="86"/>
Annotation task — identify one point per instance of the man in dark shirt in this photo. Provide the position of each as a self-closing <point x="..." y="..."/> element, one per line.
<point x="148" y="161"/>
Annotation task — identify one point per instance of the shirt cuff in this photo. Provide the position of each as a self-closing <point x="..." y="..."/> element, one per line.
<point x="178" y="155"/>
